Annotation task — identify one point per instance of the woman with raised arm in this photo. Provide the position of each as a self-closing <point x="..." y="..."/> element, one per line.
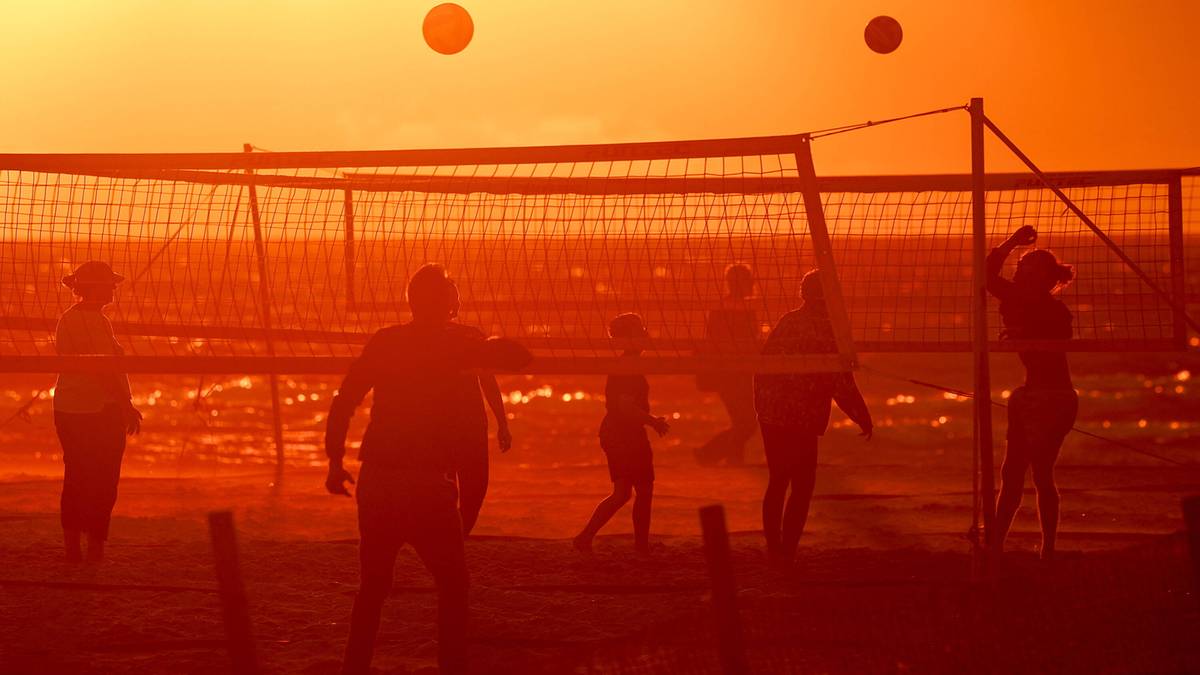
<point x="92" y="413"/>
<point x="793" y="412"/>
<point x="1042" y="411"/>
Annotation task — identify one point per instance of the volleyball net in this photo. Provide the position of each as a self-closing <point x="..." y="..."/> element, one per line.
<point x="288" y="262"/>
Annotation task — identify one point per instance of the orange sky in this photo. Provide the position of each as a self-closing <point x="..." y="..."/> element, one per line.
<point x="1080" y="84"/>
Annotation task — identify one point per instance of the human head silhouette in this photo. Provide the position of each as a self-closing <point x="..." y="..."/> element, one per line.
<point x="432" y="296"/>
<point x="1040" y="271"/>
<point x="628" y="326"/>
<point x="811" y="290"/>
<point x="740" y="280"/>
<point x="93" y="282"/>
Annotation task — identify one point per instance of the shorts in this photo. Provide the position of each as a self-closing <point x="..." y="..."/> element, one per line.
<point x="1041" y="418"/>
<point x="397" y="505"/>
<point x="633" y="463"/>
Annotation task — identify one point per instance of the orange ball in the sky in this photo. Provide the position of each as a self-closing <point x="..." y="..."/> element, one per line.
<point x="448" y="28"/>
<point x="883" y="34"/>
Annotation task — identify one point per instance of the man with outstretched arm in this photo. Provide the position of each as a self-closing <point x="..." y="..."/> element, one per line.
<point x="427" y="406"/>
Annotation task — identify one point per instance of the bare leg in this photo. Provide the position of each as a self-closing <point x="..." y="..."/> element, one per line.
<point x="1047" y="499"/>
<point x="604" y="512"/>
<point x="95" y="552"/>
<point x="804" y="480"/>
<point x="1012" y="487"/>
<point x="443" y="555"/>
<point x="641" y="516"/>
<point x="378" y="559"/>
<point x="739" y="402"/>
<point x="777" y="443"/>
<point x="71" y="540"/>
<point x="472" y="486"/>
<point x="772" y="511"/>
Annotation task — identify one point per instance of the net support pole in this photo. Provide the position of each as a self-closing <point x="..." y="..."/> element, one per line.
<point x="730" y="644"/>
<point x="348" y="210"/>
<point x="1191" y="518"/>
<point x="234" y="607"/>
<point x="823" y="251"/>
<point x="264" y="290"/>
<point x="982" y="368"/>
<point x="1178" y="280"/>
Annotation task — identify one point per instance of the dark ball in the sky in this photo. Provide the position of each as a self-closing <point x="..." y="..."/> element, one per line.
<point x="883" y="34"/>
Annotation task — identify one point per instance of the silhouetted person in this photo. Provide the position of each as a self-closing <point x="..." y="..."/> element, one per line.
<point x="473" y="466"/>
<point x="427" y="409"/>
<point x="625" y="443"/>
<point x="732" y="328"/>
<point x="1042" y="411"/>
<point x="92" y="413"/>
<point x="793" y="411"/>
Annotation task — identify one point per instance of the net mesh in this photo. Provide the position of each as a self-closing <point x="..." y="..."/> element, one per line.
<point x="264" y="255"/>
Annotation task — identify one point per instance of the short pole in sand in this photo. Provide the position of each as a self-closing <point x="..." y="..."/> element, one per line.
<point x="724" y="591"/>
<point x="234" y="608"/>
<point x="1191" y="516"/>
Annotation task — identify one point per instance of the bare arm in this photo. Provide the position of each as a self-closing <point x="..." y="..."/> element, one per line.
<point x="118" y="384"/>
<point x="358" y="381"/>
<point x="848" y="397"/>
<point x="501" y="354"/>
<point x="491" y="393"/>
<point x="997" y="285"/>
<point x="625" y="408"/>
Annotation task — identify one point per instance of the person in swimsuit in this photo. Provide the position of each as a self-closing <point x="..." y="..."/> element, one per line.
<point x="625" y="443"/>
<point x="1042" y="411"/>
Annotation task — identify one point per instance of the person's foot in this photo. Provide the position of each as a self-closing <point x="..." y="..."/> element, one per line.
<point x="642" y="549"/>
<point x="582" y="543"/>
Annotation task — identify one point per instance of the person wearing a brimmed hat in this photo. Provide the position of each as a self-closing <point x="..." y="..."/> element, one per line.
<point x="92" y="413"/>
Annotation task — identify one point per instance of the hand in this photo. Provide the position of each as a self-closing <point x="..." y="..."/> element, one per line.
<point x="867" y="432"/>
<point x="1024" y="236"/>
<point x="133" y="420"/>
<point x="660" y="425"/>
<point x="504" y="437"/>
<point x="335" y="481"/>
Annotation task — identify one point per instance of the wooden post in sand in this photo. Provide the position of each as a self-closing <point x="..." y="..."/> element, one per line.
<point x="724" y="591"/>
<point x="234" y="608"/>
<point x="1191" y="516"/>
